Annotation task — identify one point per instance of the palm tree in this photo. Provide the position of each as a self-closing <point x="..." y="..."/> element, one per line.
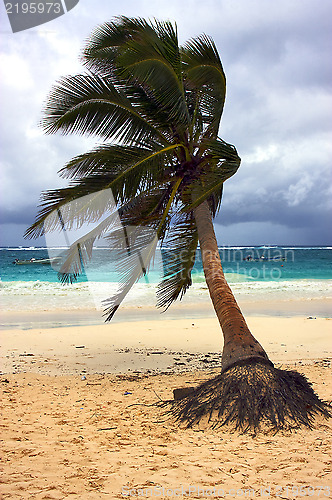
<point x="158" y="108"/>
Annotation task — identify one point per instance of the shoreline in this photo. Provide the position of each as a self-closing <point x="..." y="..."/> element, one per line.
<point x="156" y="346"/>
<point x="48" y="296"/>
<point x="61" y="317"/>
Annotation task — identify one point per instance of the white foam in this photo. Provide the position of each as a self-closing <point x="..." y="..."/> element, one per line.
<point x="41" y="296"/>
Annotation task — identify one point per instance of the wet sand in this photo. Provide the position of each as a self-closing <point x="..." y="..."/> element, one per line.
<point x="155" y="346"/>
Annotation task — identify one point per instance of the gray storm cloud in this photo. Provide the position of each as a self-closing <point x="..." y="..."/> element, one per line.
<point x="278" y="111"/>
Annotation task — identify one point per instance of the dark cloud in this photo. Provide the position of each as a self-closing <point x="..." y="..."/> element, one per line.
<point x="22" y="215"/>
<point x="278" y="110"/>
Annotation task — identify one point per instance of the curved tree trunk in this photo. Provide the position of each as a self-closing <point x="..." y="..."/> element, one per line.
<point x="239" y="343"/>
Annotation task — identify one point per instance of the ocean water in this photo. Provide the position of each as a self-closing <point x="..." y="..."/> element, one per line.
<point x="254" y="273"/>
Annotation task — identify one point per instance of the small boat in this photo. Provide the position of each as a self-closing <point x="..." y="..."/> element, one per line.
<point x="18" y="262"/>
<point x="265" y="259"/>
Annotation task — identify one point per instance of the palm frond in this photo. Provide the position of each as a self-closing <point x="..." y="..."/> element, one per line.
<point x="215" y="200"/>
<point x="220" y="150"/>
<point x="128" y="175"/>
<point x="110" y="40"/>
<point x="146" y="55"/>
<point x="137" y="245"/>
<point x="89" y="104"/>
<point x="125" y="181"/>
<point x="147" y="209"/>
<point x="71" y="262"/>
<point x="83" y="202"/>
<point x="222" y="162"/>
<point x="158" y="38"/>
<point x="78" y="242"/>
<point x="208" y="185"/>
<point x="160" y="80"/>
<point x="178" y="260"/>
<point x="107" y="158"/>
<point x="102" y="47"/>
<point x="146" y="104"/>
<point x="135" y="248"/>
<point x="144" y="174"/>
<point x="204" y="72"/>
<point x="118" y="162"/>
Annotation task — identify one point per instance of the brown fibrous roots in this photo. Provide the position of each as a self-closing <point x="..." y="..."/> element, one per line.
<point x="250" y="395"/>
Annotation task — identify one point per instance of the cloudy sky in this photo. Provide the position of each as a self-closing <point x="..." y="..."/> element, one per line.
<point x="278" y="113"/>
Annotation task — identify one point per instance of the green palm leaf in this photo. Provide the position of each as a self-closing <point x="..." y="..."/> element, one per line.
<point x="119" y="161"/>
<point x="205" y="73"/>
<point x="222" y="162"/>
<point x="74" y="260"/>
<point x="135" y="248"/>
<point x="148" y="57"/>
<point x="111" y="40"/>
<point x="115" y="172"/>
<point x="65" y="199"/>
<point x="92" y="105"/>
<point x="147" y="209"/>
<point x="208" y="185"/>
<point x="179" y="260"/>
<point x="107" y="158"/>
<point x="158" y="108"/>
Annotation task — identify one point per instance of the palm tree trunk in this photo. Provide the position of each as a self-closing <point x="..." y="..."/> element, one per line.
<point x="239" y="343"/>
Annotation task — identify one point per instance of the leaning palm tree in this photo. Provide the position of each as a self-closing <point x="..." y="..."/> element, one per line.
<point x="157" y="106"/>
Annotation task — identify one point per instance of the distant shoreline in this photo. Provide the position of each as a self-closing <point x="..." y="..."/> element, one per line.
<point x="61" y="318"/>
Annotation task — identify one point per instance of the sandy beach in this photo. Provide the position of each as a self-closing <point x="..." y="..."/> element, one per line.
<point x="163" y="162"/>
<point x="77" y="420"/>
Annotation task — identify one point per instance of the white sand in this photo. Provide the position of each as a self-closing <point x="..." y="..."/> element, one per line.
<point x="69" y="429"/>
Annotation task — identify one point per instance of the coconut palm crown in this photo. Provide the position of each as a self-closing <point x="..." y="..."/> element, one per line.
<point x="158" y="107"/>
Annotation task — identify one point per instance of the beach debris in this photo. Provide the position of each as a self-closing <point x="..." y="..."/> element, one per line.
<point x="80" y="346"/>
<point x="311" y="317"/>
<point x="107" y="429"/>
<point x="83" y="378"/>
<point x="157" y="395"/>
<point x="127" y="393"/>
<point x="26" y="354"/>
<point x="131" y="378"/>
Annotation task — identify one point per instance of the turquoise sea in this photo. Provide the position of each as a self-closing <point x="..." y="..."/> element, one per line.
<point x="255" y="273"/>
<point x="264" y="263"/>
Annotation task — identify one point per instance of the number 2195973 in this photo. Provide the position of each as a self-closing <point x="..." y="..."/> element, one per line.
<point x="33" y="8"/>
